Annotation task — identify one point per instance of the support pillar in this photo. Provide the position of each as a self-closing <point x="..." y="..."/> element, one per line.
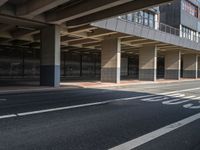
<point x="173" y="65"/>
<point x="148" y="63"/>
<point x="50" y="56"/>
<point x="190" y="66"/>
<point x="111" y="60"/>
<point x="198" y="67"/>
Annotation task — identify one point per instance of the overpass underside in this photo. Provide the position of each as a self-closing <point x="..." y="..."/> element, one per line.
<point x="56" y="43"/>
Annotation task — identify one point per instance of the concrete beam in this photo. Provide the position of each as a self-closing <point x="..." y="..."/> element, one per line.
<point x="91" y="44"/>
<point x="81" y="41"/>
<point x="82" y="9"/>
<point x="6" y="19"/>
<point x="34" y="7"/>
<point x="81" y="29"/>
<point x="6" y="27"/>
<point x="19" y="32"/>
<point x="100" y="32"/>
<point x="67" y="38"/>
<point x="2" y="2"/>
<point x="132" y="39"/>
<point x="116" y="11"/>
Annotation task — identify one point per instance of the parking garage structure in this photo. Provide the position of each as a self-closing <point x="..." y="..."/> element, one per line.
<point x="78" y="44"/>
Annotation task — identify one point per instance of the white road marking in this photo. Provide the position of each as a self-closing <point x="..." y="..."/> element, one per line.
<point x="189" y="97"/>
<point x="71" y="107"/>
<point x="176" y="95"/>
<point x="192" y="106"/>
<point x="155" y="134"/>
<point x="196" y="98"/>
<point x="178" y="101"/>
<point x="8" y="116"/>
<point x="94" y="104"/>
<point x="156" y="99"/>
<point x="174" y="101"/>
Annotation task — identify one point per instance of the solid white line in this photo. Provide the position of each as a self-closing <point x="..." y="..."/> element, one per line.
<point x="71" y="107"/>
<point x="155" y="134"/>
<point x="93" y="104"/>
<point x="8" y="116"/>
<point x="80" y="106"/>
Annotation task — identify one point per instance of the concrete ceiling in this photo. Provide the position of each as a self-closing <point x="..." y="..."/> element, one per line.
<point x="21" y="20"/>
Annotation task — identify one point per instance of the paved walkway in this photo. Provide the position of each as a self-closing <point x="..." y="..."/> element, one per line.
<point x="80" y="84"/>
<point x="98" y="84"/>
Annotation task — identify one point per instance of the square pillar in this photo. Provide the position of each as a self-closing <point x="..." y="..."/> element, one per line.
<point x="190" y="66"/>
<point x="111" y="60"/>
<point x="50" y="56"/>
<point x="148" y="63"/>
<point x="173" y="65"/>
<point x="198" y="67"/>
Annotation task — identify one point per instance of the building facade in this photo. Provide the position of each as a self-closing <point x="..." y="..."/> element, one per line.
<point x="152" y="43"/>
<point x="183" y="15"/>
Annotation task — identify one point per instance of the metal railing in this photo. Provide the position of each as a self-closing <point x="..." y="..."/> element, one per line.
<point x="169" y="29"/>
<point x="163" y="27"/>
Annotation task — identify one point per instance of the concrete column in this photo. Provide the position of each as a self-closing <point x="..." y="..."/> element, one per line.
<point x="148" y="63"/>
<point x="50" y="56"/>
<point x="198" y="67"/>
<point x="190" y="66"/>
<point x="173" y="65"/>
<point x="111" y="60"/>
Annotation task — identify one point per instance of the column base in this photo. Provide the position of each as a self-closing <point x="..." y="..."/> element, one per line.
<point x="189" y="74"/>
<point x="111" y="75"/>
<point x="199" y="74"/>
<point x="147" y="74"/>
<point x="172" y="74"/>
<point x="50" y="75"/>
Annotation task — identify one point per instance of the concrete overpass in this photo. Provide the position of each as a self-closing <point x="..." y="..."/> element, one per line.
<point x="42" y="24"/>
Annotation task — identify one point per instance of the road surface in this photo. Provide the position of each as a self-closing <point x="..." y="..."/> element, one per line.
<point x="137" y="117"/>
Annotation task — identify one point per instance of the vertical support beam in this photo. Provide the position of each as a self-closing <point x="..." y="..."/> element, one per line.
<point x="190" y="66"/>
<point x="198" y="67"/>
<point x="50" y="56"/>
<point x="111" y="60"/>
<point x="173" y="65"/>
<point x="148" y="63"/>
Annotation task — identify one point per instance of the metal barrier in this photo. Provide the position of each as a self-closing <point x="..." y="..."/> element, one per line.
<point x="152" y="24"/>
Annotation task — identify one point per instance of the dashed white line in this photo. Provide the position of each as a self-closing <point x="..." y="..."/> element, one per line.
<point x="130" y="145"/>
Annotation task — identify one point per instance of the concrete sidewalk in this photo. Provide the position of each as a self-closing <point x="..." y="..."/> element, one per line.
<point x="98" y="84"/>
<point x="80" y="84"/>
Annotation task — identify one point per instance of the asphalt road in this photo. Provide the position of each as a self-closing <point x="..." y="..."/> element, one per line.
<point x="102" y="119"/>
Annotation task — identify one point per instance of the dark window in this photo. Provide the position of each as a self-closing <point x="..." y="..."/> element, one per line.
<point x="190" y="8"/>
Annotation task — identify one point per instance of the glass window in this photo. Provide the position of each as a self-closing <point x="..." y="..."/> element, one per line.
<point x="190" y="8"/>
<point x="146" y="18"/>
